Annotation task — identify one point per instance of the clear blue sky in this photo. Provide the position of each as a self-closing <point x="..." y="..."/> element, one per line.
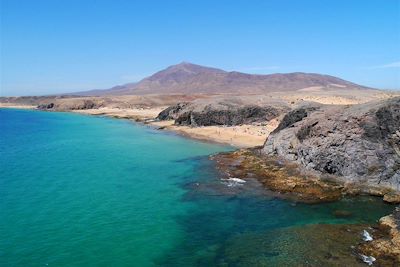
<point x="64" y="46"/>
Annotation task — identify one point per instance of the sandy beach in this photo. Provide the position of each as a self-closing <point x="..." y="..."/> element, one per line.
<point x="242" y="136"/>
<point x="11" y="105"/>
<point x="137" y="114"/>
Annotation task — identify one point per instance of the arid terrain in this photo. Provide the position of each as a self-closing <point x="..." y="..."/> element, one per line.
<point x="334" y="137"/>
<point x="208" y="103"/>
<point x="147" y="108"/>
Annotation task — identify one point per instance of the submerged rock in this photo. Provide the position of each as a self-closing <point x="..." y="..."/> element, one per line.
<point x="308" y="245"/>
<point x="342" y="213"/>
<point x="284" y="179"/>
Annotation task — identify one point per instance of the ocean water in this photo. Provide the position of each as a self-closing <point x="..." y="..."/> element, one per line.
<point x="90" y="191"/>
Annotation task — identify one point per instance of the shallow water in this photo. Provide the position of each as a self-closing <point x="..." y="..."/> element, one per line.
<point x="89" y="191"/>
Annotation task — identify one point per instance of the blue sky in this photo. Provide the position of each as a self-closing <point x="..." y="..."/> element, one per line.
<point x="64" y="46"/>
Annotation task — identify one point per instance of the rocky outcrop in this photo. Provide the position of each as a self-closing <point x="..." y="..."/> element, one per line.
<point x="224" y="112"/>
<point x="172" y="112"/>
<point x="46" y="106"/>
<point x="385" y="244"/>
<point x="359" y="144"/>
<point x="282" y="179"/>
<point x="71" y="104"/>
<point x="230" y="116"/>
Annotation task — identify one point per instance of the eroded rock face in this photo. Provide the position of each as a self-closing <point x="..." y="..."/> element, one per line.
<point x="220" y="113"/>
<point x="45" y="106"/>
<point x="358" y="143"/>
<point x="172" y="112"/>
<point x="71" y="104"/>
<point x="230" y="116"/>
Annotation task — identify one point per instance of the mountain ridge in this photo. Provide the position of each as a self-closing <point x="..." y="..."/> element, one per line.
<point x="189" y="78"/>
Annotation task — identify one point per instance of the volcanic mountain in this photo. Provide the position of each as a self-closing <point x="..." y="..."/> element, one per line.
<point x="187" y="78"/>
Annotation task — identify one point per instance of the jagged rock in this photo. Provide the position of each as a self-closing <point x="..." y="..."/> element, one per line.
<point x="46" y="106"/>
<point x="70" y="104"/>
<point x="357" y="143"/>
<point x="282" y="178"/>
<point x="172" y="112"/>
<point x="294" y="116"/>
<point x="392" y="197"/>
<point x="231" y="116"/>
<point x="221" y="112"/>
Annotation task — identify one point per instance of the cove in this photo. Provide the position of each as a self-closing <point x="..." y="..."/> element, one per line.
<point x="91" y="191"/>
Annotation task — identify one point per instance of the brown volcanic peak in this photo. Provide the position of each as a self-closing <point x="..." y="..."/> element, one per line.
<point x="181" y="72"/>
<point x="187" y="78"/>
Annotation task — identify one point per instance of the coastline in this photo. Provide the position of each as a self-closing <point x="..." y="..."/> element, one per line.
<point x="244" y="136"/>
<point x="377" y="249"/>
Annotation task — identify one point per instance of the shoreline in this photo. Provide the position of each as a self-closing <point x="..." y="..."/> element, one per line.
<point x="244" y="136"/>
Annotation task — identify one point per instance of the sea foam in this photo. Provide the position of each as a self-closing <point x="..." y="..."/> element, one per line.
<point x="233" y="181"/>
<point x="366" y="236"/>
<point x="368" y="259"/>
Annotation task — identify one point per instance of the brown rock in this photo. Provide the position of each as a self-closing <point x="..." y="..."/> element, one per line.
<point x="392" y="197"/>
<point x="284" y="179"/>
<point x="386" y="245"/>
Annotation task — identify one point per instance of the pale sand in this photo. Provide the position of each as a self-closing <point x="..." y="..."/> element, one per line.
<point x="10" y="105"/>
<point x="242" y="136"/>
<point x="140" y="114"/>
<point x="329" y="98"/>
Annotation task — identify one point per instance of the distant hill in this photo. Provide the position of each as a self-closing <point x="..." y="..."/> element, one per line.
<point x="187" y="78"/>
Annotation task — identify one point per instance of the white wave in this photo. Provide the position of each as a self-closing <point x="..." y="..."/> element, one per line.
<point x="368" y="259"/>
<point x="236" y="180"/>
<point x="366" y="236"/>
<point x="233" y="181"/>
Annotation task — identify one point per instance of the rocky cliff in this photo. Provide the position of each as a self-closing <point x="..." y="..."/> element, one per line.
<point x="359" y="143"/>
<point x="222" y="112"/>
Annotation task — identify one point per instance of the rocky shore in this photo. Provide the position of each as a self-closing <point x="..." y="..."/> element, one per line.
<point x="321" y="153"/>
<point x="384" y="246"/>
<point x="289" y="180"/>
<point x="357" y="144"/>
<point x="286" y="180"/>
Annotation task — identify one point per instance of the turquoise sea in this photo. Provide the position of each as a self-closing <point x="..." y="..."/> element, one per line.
<point x="89" y="191"/>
